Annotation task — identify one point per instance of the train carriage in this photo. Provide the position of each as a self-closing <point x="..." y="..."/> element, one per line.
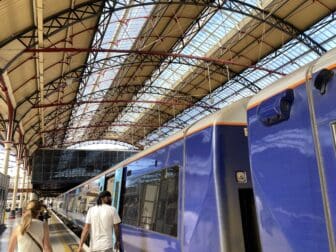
<point x="191" y="192"/>
<point x="292" y="140"/>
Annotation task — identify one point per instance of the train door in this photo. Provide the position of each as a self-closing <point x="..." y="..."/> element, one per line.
<point x="322" y="106"/>
<point x="117" y="188"/>
<point x="113" y="184"/>
<point x="109" y="184"/>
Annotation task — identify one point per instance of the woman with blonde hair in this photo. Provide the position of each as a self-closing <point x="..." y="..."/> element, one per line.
<point x="32" y="234"/>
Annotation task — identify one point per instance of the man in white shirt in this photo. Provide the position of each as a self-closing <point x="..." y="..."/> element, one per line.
<point x="100" y="221"/>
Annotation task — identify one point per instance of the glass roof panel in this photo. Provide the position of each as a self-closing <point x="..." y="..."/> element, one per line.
<point x="287" y="59"/>
<point x="119" y="35"/>
<point x="204" y="41"/>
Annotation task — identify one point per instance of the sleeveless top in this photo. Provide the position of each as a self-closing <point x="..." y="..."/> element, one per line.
<point x="25" y="243"/>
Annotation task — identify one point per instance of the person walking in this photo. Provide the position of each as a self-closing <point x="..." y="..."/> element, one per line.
<point x="100" y="222"/>
<point x="32" y="234"/>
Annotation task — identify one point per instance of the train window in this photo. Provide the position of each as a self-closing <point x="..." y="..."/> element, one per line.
<point x="131" y="202"/>
<point x="151" y="201"/>
<point x="166" y="216"/>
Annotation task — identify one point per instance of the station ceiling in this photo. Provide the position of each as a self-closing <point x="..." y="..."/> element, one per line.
<point x="137" y="71"/>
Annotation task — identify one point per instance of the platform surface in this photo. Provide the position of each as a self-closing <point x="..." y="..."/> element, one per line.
<point x="61" y="238"/>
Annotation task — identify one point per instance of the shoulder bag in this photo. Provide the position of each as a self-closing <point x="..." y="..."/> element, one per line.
<point x="36" y="242"/>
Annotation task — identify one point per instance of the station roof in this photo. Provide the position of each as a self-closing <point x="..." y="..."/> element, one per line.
<point x="137" y="71"/>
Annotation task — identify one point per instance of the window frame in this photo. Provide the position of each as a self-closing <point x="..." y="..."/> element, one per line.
<point x="140" y="195"/>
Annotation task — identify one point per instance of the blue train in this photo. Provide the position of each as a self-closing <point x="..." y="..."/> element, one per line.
<point x="193" y="191"/>
<point x="292" y="140"/>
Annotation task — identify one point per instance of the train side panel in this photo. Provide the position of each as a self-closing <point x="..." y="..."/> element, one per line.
<point x="214" y="201"/>
<point x="324" y="106"/>
<point x="286" y="180"/>
<point x="183" y="196"/>
<point x="239" y="221"/>
<point x="200" y="216"/>
<point x="137" y="234"/>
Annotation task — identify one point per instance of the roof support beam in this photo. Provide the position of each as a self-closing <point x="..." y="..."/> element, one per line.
<point x="38" y="20"/>
<point x="271" y="19"/>
<point x="107" y="124"/>
<point x="83" y="11"/>
<point x="152" y="53"/>
<point x="10" y="124"/>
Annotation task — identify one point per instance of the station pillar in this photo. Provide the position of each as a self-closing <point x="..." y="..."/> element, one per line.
<point x="13" y="208"/>
<point x="27" y="189"/>
<point x="19" y="212"/>
<point x="6" y="157"/>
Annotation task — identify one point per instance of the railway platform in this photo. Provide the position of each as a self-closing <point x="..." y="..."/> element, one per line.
<point x="61" y="238"/>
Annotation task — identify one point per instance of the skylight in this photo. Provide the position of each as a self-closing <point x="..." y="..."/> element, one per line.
<point x="119" y="35"/>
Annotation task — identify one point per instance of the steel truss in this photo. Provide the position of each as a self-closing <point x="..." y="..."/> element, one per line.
<point x="286" y="27"/>
<point x="153" y="116"/>
<point x="244" y="74"/>
<point x="90" y="9"/>
<point x="101" y="94"/>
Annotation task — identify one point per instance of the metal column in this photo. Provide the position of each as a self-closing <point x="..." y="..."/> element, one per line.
<point x="6" y="157"/>
<point x="12" y="214"/>
<point x="19" y="213"/>
<point x="27" y="189"/>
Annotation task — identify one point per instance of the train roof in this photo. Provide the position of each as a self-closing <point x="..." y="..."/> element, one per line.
<point x="232" y="115"/>
<point x="294" y="79"/>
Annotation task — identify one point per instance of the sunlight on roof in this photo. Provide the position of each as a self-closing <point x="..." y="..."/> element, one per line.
<point x="205" y="41"/>
<point x="119" y="35"/>
<point x="287" y="59"/>
<point x="102" y="145"/>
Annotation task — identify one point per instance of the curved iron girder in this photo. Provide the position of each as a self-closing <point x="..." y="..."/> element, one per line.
<point x="86" y="10"/>
<point x="155" y="2"/>
<point x="197" y="24"/>
<point x="140" y="137"/>
<point x="97" y="41"/>
<point x="102" y="94"/>
<point x="263" y="61"/>
<point x="88" y="138"/>
<point x="243" y="80"/>
<point x="61" y="20"/>
<point x="163" y="115"/>
<point x="88" y="70"/>
<point x="106" y="124"/>
<point x="275" y="21"/>
<point x="188" y="34"/>
<point x="96" y="135"/>
<point x="54" y="24"/>
<point x="52" y="86"/>
<point x="143" y="60"/>
<point x="118" y="109"/>
<point x="244" y="9"/>
<point x="175" y="61"/>
<point x="109" y="142"/>
<point x="115" y="109"/>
